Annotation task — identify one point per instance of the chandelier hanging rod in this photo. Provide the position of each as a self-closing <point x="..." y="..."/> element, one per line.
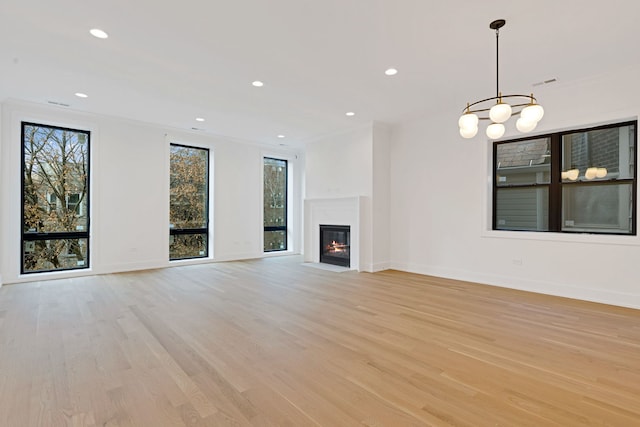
<point x="496" y="25"/>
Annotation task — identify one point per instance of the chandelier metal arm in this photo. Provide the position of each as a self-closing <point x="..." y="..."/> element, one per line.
<point x="468" y="109"/>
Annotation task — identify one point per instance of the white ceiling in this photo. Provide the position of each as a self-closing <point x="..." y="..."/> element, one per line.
<point x="167" y="62"/>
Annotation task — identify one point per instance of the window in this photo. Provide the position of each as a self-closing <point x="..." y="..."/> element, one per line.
<point x="188" y="203"/>
<point x="581" y="181"/>
<point x="275" y="204"/>
<point x="73" y="203"/>
<point x="55" y="197"/>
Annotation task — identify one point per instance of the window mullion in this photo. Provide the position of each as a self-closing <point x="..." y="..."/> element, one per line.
<point x="555" y="187"/>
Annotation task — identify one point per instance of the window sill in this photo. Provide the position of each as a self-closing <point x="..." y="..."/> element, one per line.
<point x="599" y="239"/>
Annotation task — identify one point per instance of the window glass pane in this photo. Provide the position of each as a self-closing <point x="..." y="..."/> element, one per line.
<point x="55" y="178"/>
<point x="183" y="246"/>
<point x="599" y="154"/>
<point x="188" y="202"/>
<point x="55" y="182"/>
<point x="54" y="254"/>
<point x="275" y="204"/>
<point x="594" y="191"/>
<point x="522" y="208"/>
<point x="275" y="192"/>
<point x="599" y="208"/>
<point x="275" y="240"/>
<point x="523" y="162"/>
<point x="188" y="187"/>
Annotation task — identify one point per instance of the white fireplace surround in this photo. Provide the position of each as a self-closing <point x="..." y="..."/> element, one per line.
<point x="339" y="211"/>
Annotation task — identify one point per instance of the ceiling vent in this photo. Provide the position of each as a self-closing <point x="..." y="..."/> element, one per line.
<point x="60" y="104"/>
<point x="545" y="82"/>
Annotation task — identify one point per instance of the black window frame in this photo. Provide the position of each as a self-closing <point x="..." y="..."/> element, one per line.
<point x="201" y="230"/>
<point x="64" y="235"/>
<point x="286" y="206"/>
<point x="556" y="183"/>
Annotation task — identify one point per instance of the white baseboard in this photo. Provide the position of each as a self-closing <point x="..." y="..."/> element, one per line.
<point x="133" y="266"/>
<point x="537" y="286"/>
<point x="373" y="268"/>
<point x="149" y="265"/>
<point x="236" y="256"/>
<point x="53" y="275"/>
<point x="130" y="266"/>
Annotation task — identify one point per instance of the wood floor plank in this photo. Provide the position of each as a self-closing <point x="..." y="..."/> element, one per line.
<point x="275" y="343"/>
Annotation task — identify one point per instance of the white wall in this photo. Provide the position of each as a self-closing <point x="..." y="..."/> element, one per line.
<point x="381" y="189"/>
<point x="129" y="192"/>
<point x="340" y="165"/>
<point x="3" y="178"/>
<point x="440" y="209"/>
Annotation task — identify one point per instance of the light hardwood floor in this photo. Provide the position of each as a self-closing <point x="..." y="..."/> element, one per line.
<point x="275" y="343"/>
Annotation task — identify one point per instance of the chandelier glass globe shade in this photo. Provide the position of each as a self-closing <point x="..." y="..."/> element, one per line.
<point x="495" y="130"/>
<point x="500" y="112"/>
<point x="468" y="121"/>
<point x="469" y="132"/>
<point x="532" y="112"/>
<point x="571" y="174"/>
<point x="591" y="173"/>
<point x="524" y="125"/>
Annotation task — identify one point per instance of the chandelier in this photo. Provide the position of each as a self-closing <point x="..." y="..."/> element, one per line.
<point x="504" y="106"/>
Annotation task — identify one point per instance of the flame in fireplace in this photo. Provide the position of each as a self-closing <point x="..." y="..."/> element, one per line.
<point x="335" y="247"/>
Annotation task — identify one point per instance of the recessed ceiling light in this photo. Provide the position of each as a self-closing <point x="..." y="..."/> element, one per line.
<point x="81" y="95"/>
<point x="280" y="136"/>
<point x="257" y="83"/>
<point x="391" y="72"/>
<point x="199" y="119"/>
<point x="96" y="32"/>
<point x="350" y="114"/>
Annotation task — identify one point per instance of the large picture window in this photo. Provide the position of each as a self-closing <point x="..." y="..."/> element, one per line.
<point x="189" y="202"/>
<point x="581" y="181"/>
<point x="275" y="204"/>
<point x="55" y="198"/>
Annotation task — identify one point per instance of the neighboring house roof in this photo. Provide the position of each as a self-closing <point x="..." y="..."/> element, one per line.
<point x="524" y="153"/>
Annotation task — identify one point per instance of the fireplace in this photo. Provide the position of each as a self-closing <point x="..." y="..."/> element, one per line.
<point x="335" y="245"/>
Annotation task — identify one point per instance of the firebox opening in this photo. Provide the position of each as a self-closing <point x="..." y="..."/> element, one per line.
<point x="335" y="245"/>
